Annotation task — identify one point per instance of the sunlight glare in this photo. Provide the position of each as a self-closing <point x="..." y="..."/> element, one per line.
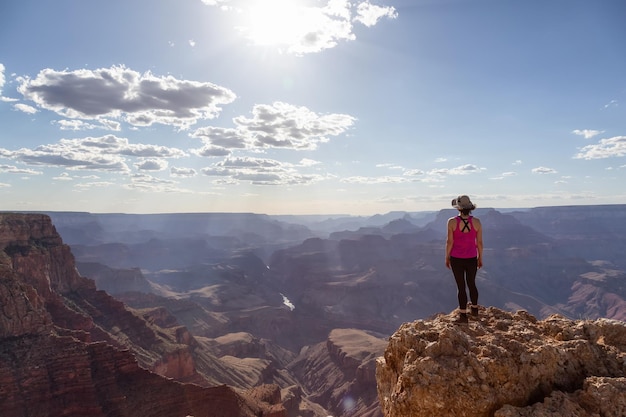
<point x="277" y="22"/>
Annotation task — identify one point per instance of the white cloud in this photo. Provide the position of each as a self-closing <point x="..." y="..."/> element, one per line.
<point x="460" y="170"/>
<point x="414" y="172"/>
<point x="76" y="125"/>
<point x="505" y="175"/>
<point x="282" y="125"/>
<point x="96" y="184"/>
<point x="124" y="94"/>
<point x="587" y="133"/>
<point x="2" y="79"/>
<point x="259" y="171"/>
<point x="276" y="125"/>
<point x="466" y="169"/>
<point x="152" y="165"/>
<point x="390" y="166"/>
<point x="182" y="172"/>
<point x="64" y="176"/>
<point x="605" y="148"/>
<point x="25" y="108"/>
<point x="543" y="170"/>
<point x="369" y="14"/>
<point x="376" y="180"/>
<point x="2" y="83"/>
<point x="306" y="162"/>
<point x="105" y="153"/>
<point x="10" y="169"/>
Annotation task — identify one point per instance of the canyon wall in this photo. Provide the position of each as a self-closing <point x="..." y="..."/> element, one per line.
<point x="67" y="349"/>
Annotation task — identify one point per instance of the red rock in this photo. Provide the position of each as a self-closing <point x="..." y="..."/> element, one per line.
<point x="67" y="349"/>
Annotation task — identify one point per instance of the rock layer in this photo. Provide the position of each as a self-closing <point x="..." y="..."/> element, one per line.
<point x="504" y="365"/>
<point x="67" y="349"/>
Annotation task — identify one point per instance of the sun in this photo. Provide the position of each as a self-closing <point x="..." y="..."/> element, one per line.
<point x="278" y="22"/>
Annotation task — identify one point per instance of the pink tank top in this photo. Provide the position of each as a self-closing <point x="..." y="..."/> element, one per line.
<point x="464" y="245"/>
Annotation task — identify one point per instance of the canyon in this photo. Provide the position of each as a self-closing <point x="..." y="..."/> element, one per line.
<point x="280" y="315"/>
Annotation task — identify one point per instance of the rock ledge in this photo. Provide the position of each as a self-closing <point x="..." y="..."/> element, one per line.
<point x="504" y="365"/>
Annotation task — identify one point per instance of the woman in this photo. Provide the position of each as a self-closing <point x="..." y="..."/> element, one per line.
<point x="464" y="253"/>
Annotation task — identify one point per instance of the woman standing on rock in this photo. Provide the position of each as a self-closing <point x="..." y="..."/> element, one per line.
<point x="464" y="253"/>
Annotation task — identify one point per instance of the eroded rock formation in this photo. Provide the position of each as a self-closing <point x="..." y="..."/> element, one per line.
<point x="67" y="349"/>
<point x="339" y="374"/>
<point x="504" y="365"/>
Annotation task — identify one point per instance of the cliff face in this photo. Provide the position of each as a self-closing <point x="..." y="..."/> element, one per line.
<point x="504" y="365"/>
<point x="340" y="373"/>
<point x="67" y="349"/>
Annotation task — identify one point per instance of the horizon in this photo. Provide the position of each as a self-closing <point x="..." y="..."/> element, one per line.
<point x="308" y="107"/>
<point x="500" y="209"/>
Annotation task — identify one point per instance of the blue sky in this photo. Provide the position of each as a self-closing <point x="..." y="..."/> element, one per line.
<point x="310" y="107"/>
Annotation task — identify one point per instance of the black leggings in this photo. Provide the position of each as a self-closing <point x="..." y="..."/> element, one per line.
<point x="464" y="270"/>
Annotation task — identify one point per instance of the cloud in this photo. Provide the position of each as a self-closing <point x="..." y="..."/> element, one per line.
<point x="152" y="165"/>
<point x="94" y="184"/>
<point x="301" y="29"/>
<point x="2" y="82"/>
<point x="390" y="166"/>
<point x="587" y="133"/>
<point x="75" y="124"/>
<point x="414" y="172"/>
<point x="276" y="125"/>
<point x="504" y="175"/>
<point x="221" y="137"/>
<point x="10" y="169"/>
<point x="460" y="170"/>
<point x="376" y="180"/>
<point x="122" y="94"/>
<point x="64" y="176"/>
<point x="606" y="148"/>
<point x="148" y="183"/>
<point x="2" y="79"/>
<point x="25" y="108"/>
<point x="369" y="14"/>
<point x="543" y="170"/>
<point x="466" y="169"/>
<point x="183" y="172"/>
<point x="306" y="162"/>
<point x="105" y="153"/>
<point x="282" y="125"/>
<point x="259" y="171"/>
<point x="210" y="151"/>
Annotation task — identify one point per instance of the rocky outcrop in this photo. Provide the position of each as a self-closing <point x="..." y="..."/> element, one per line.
<point x="504" y="365"/>
<point x="67" y="349"/>
<point x="340" y="373"/>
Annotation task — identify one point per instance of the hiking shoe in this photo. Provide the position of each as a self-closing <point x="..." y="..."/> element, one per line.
<point x="462" y="319"/>
<point x="474" y="311"/>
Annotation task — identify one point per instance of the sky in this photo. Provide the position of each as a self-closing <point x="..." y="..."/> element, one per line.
<point x="310" y="107"/>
